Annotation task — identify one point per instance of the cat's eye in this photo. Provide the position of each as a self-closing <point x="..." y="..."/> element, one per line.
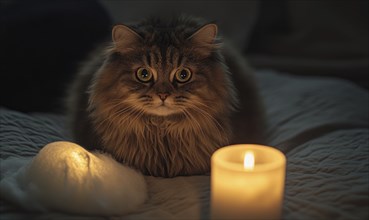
<point x="183" y="75"/>
<point x="143" y="75"/>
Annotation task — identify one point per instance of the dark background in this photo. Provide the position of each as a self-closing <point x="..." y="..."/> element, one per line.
<point x="42" y="42"/>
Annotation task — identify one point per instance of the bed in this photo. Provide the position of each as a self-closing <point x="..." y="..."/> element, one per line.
<point x="320" y="123"/>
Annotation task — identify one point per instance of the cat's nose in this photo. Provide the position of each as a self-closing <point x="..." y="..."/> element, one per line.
<point x="163" y="96"/>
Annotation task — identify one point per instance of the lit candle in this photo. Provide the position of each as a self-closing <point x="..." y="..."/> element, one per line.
<point x="247" y="182"/>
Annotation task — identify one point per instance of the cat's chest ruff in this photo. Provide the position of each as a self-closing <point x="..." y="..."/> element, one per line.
<point x="161" y="125"/>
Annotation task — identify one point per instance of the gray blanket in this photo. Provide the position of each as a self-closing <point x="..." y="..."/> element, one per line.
<point x="321" y="124"/>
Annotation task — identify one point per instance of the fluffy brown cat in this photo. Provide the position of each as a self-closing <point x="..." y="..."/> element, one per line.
<point x="162" y="97"/>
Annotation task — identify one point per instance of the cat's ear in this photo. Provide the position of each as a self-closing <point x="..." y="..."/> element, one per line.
<point x="205" y="35"/>
<point x="124" y="36"/>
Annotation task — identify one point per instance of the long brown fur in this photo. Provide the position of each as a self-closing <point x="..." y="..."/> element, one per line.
<point x="110" y="110"/>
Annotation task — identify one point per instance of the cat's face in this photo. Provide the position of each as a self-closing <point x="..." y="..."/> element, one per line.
<point x="146" y="76"/>
<point x="168" y="85"/>
<point x="165" y="88"/>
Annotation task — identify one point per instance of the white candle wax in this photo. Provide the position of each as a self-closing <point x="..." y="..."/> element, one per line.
<point x="239" y="191"/>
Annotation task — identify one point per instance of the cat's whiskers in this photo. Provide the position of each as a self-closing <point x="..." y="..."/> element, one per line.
<point x="137" y="115"/>
<point x="112" y="106"/>
<point x="125" y="118"/>
<point x="114" y="115"/>
<point x="114" y="111"/>
<point x="127" y="114"/>
<point x="205" y="112"/>
<point x="115" y="107"/>
<point x="191" y="120"/>
<point x="209" y="118"/>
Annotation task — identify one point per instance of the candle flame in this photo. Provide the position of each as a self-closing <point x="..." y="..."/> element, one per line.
<point x="249" y="161"/>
